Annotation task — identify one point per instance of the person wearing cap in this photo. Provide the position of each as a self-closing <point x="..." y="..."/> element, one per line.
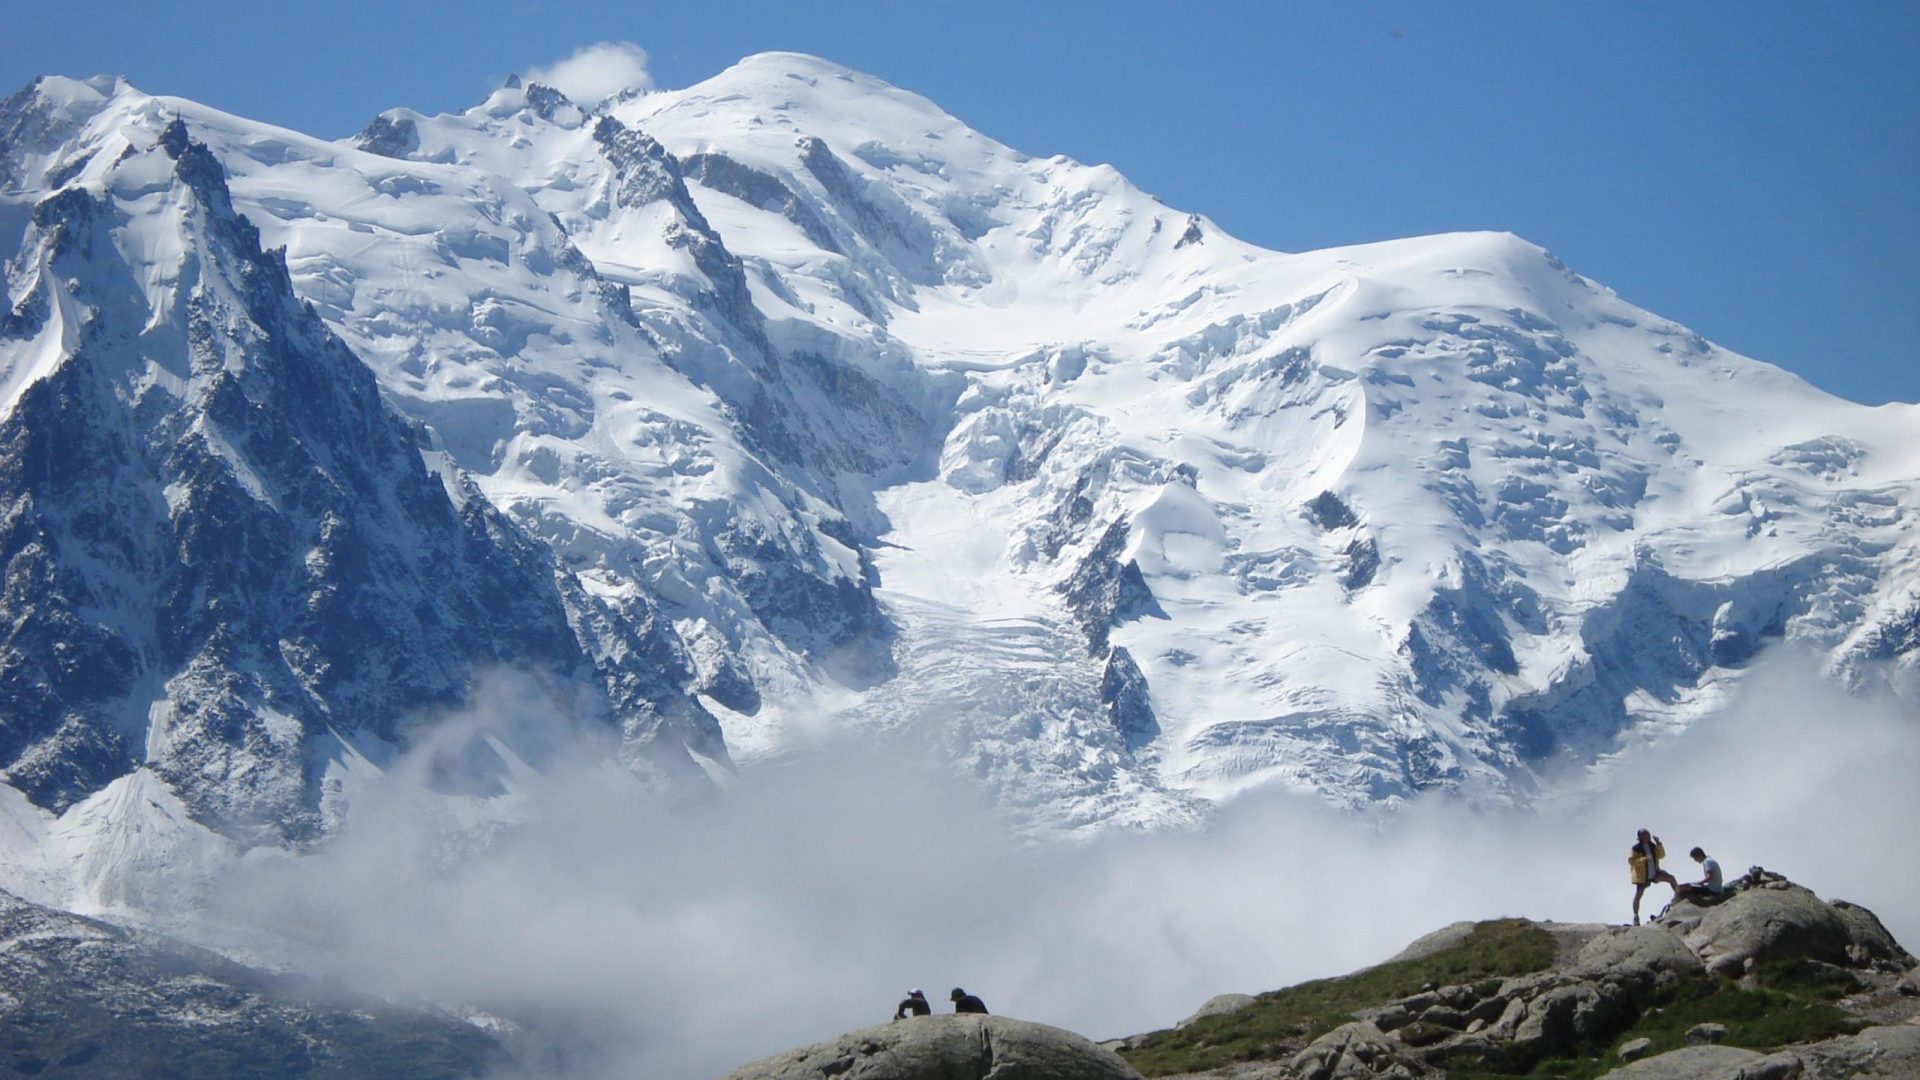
<point x="914" y="1004"/>
<point x="964" y="1002"/>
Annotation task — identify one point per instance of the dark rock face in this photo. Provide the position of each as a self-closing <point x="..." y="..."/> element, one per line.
<point x="1363" y="562"/>
<point x="946" y="1048"/>
<point x="394" y="137"/>
<point x="756" y="188"/>
<point x="644" y="173"/>
<point x="1129" y="704"/>
<point x="799" y="603"/>
<point x="878" y="217"/>
<point x="1330" y="511"/>
<point x="29" y="123"/>
<point x="82" y="998"/>
<point x="1193" y="235"/>
<point x="1103" y="591"/>
<point x="1657" y="635"/>
<point x="547" y="103"/>
<point x="220" y="545"/>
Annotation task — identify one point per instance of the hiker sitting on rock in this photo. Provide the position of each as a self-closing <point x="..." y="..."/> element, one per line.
<point x="914" y="1004"/>
<point x="964" y="1002"/>
<point x="1644" y="861"/>
<point x="1710" y="886"/>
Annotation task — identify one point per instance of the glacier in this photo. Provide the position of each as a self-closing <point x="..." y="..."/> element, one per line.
<point x="786" y="404"/>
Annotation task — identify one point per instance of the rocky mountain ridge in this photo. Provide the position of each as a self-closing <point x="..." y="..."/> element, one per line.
<point x="229" y="561"/>
<point x="84" y="998"/>
<point x="1770" y="982"/>
<point x="1775" y="981"/>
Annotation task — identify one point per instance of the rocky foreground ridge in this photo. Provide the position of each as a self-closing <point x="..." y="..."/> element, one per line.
<point x="1772" y="982"/>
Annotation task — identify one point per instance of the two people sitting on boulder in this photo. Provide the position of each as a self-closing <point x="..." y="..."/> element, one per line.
<point x="914" y="1004"/>
<point x="1711" y="884"/>
<point x="1644" y="862"/>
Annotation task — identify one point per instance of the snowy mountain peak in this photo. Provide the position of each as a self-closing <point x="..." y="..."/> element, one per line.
<point x="815" y="409"/>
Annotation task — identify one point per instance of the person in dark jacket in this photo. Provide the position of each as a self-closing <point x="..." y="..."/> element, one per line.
<point x="914" y="1004"/>
<point x="964" y="1002"/>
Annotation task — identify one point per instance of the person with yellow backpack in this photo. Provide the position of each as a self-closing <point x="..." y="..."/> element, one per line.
<point x="1644" y="862"/>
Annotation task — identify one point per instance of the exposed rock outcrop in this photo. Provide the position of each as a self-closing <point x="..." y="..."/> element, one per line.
<point x="1358" y="1051"/>
<point x="1876" y="1052"/>
<point x="1830" y="969"/>
<point x="946" y="1048"/>
<point x="1771" y="917"/>
<point x="1694" y="1063"/>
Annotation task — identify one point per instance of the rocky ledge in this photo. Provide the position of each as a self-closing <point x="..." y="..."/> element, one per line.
<point x="1767" y="983"/>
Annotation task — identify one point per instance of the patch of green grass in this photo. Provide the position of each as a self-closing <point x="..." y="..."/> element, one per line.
<point x="1281" y="1022"/>
<point x="1761" y="1019"/>
<point x="1808" y="978"/>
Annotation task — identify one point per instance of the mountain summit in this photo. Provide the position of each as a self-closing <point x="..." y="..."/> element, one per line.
<point x="787" y="402"/>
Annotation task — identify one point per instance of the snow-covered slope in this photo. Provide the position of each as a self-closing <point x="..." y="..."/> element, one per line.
<point x="228" y="560"/>
<point x="887" y="427"/>
<point x="1425" y="512"/>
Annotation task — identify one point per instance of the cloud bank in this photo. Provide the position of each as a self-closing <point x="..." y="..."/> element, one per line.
<point x="633" y="939"/>
<point x="594" y="72"/>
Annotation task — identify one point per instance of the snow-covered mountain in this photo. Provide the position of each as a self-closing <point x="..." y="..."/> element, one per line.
<point x="788" y="400"/>
<point x="92" y="999"/>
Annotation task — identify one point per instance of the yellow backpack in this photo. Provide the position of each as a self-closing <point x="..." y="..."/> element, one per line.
<point x="1637" y="864"/>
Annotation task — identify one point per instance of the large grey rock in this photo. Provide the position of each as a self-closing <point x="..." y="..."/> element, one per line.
<point x="1878" y="1052"/>
<point x="1509" y="1019"/>
<point x="1356" y="1051"/>
<point x="1219" y="1005"/>
<point x="1563" y="1016"/>
<point x="1868" y="940"/>
<point x="1386" y="1017"/>
<point x="946" y="1048"/>
<point x="1767" y="923"/>
<point x="1692" y="1063"/>
<point x="1639" y="957"/>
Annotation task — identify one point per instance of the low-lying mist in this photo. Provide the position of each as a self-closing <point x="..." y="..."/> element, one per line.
<point x="636" y="940"/>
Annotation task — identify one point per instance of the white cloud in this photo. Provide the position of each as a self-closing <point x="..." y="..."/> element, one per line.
<point x="597" y="71"/>
<point x="681" y="942"/>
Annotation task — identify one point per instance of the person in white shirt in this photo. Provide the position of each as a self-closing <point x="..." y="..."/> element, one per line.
<point x="1710" y="883"/>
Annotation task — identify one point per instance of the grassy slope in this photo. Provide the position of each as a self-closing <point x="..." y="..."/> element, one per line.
<point x="1280" y="1023"/>
<point x="1792" y="1005"/>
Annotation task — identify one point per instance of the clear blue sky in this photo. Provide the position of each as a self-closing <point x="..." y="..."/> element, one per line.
<point x="1747" y="169"/>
